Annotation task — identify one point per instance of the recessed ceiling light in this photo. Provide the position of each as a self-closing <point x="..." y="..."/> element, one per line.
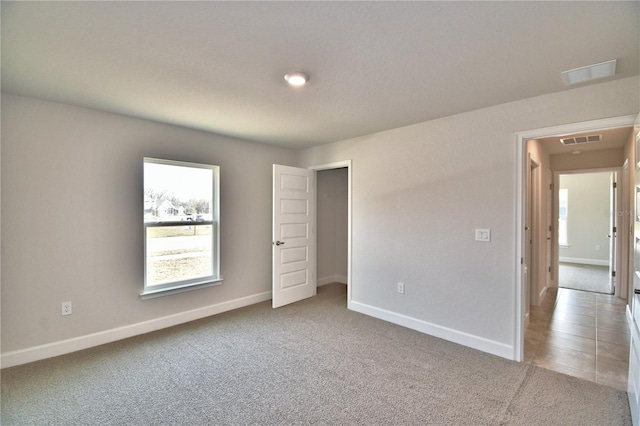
<point x="576" y="152"/>
<point x="590" y="72"/>
<point x="296" y="78"/>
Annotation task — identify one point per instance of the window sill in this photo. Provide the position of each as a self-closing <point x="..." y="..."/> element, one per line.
<point x="564" y="246"/>
<point x="166" y="291"/>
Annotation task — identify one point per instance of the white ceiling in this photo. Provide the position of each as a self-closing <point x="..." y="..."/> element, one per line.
<point x="219" y="66"/>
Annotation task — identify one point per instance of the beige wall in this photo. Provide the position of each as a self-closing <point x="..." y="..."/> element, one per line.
<point x="72" y="220"/>
<point x="420" y="191"/>
<point x="588" y="160"/>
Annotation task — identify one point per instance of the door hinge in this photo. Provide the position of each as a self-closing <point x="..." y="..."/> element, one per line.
<point x="615" y="184"/>
<point x="550" y="228"/>
<point x="613" y="273"/>
<point x="550" y="187"/>
<point x="615" y="228"/>
<point x="549" y="268"/>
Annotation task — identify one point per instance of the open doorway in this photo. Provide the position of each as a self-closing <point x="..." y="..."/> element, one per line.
<point x="295" y="226"/>
<point x="572" y="325"/>
<point x="523" y="141"/>
<point x="332" y="230"/>
<point x="333" y="224"/>
<point x="587" y="231"/>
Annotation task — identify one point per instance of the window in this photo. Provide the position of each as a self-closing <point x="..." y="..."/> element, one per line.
<point x="181" y="226"/>
<point x="563" y="205"/>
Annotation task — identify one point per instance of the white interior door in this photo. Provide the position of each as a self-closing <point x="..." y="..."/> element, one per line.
<point x="633" y="389"/>
<point x="527" y="269"/>
<point x="549" y="226"/>
<point x="294" y="238"/>
<point x="613" y="233"/>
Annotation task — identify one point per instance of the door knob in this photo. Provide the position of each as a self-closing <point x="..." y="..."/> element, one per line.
<point x="279" y="243"/>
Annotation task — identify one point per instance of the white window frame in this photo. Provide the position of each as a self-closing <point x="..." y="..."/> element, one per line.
<point x="156" y="290"/>
<point x="563" y="219"/>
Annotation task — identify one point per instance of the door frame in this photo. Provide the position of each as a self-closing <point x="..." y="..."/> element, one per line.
<point x="520" y="181"/>
<point x="532" y="259"/>
<point x="616" y="262"/>
<point x="339" y="165"/>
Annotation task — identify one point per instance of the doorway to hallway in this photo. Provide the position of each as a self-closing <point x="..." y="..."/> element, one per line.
<point x="579" y="328"/>
<point x="611" y="154"/>
<point x="587" y="231"/>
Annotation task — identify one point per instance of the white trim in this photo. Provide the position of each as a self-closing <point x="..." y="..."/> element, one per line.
<point x="618" y="263"/>
<point x="332" y="279"/>
<point x="521" y="139"/>
<point x="581" y="261"/>
<point x="455" y="336"/>
<point x="349" y="166"/>
<point x="36" y="353"/>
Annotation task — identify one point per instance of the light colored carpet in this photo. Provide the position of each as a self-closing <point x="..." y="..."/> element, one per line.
<point x="591" y="278"/>
<point x="313" y="362"/>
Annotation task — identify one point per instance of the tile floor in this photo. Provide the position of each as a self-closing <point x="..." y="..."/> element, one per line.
<point x="581" y="334"/>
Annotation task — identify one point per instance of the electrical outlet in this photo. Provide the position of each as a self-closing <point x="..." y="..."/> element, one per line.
<point x="401" y="288"/>
<point x="66" y="308"/>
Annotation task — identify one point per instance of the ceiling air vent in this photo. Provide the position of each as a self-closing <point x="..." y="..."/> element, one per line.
<point x="580" y="139"/>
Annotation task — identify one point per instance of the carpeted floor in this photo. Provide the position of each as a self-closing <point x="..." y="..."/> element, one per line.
<point x="313" y="362"/>
<point x="591" y="278"/>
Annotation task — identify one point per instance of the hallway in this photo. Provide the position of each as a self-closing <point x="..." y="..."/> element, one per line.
<point x="581" y="334"/>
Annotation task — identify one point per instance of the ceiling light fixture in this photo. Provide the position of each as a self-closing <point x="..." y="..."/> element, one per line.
<point x="296" y="79"/>
<point x="590" y="72"/>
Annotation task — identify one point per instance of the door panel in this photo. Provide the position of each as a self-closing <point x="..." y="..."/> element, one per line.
<point x="549" y="227"/>
<point x="294" y="242"/>
<point x="634" y="352"/>
<point x="633" y="385"/>
<point x="613" y="232"/>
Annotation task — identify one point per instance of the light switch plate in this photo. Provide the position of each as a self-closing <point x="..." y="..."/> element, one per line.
<point x="483" y="235"/>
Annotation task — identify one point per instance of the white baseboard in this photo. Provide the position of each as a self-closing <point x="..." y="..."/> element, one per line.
<point x="581" y="261"/>
<point x="455" y="336"/>
<point x="36" y="353"/>
<point x="331" y="279"/>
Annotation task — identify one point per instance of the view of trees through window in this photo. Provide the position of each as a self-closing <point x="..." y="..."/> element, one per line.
<point x="179" y="220"/>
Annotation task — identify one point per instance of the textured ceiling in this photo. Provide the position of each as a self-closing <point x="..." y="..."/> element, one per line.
<point x="219" y="66"/>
